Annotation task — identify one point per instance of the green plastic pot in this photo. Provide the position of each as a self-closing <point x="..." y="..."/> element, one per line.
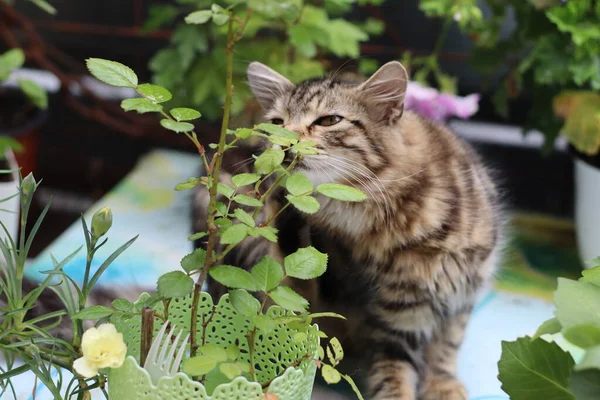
<point x="274" y="353"/>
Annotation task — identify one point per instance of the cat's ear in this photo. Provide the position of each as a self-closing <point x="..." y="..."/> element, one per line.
<point x="266" y="84"/>
<point x="384" y="92"/>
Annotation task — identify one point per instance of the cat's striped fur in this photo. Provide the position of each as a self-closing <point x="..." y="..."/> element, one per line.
<point x="406" y="264"/>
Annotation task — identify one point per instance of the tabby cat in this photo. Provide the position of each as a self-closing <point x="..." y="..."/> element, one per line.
<point x="406" y="264"/>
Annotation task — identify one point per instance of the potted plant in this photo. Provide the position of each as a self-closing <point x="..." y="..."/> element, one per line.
<point x="561" y="360"/>
<point x="238" y="346"/>
<point x="552" y="55"/>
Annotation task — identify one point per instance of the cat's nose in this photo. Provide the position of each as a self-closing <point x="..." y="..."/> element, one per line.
<point x="301" y="130"/>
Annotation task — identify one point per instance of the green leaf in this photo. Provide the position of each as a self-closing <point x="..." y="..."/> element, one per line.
<point x="306" y="204"/>
<point x="233" y="352"/>
<point x="282" y="141"/>
<point x="288" y="299"/>
<point x="234" y="234"/>
<point x="244" y="217"/>
<point x="341" y="192"/>
<point x="335" y="352"/>
<point x="189" y="184"/>
<point x="14" y="58"/>
<point x="220" y="16"/>
<point x="185" y="114"/>
<point x="585" y="385"/>
<point x="298" y="184"/>
<point x="243" y="133"/>
<point x="576" y="303"/>
<point x="244" y="366"/>
<point x="244" y="179"/>
<point x="330" y="374"/>
<point x="198" y="365"/>
<point x="159" y="16"/>
<point x="269" y="160"/>
<point x="34" y="93"/>
<point x="141" y="105"/>
<point x="265" y="323"/>
<point x="122" y="305"/>
<point x="550" y="326"/>
<point x="268" y="273"/>
<point x="193" y="261"/>
<point x="277" y="130"/>
<point x="93" y="312"/>
<point x="225" y="190"/>
<point x="247" y="200"/>
<point x="591" y="275"/>
<point x="326" y="314"/>
<point x="353" y="386"/>
<point x="590" y="360"/>
<point x="197" y="235"/>
<point x="176" y="126"/>
<point x="230" y="370"/>
<point x="300" y="337"/>
<point x="306" y="147"/>
<point x="584" y="335"/>
<point x="213" y="351"/>
<point x="44" y="5"/>
<point x="198" y="17"/>
<point x="155" y="93"/>
<point x="535" y="369"/>
<point x="175" y="284"/>
<point x="234" y="277"/>
<point x="268" y="232"/>
<point x="112" y="73"/>
<point x="244" y="303"/>
<point x="306" y="263"/>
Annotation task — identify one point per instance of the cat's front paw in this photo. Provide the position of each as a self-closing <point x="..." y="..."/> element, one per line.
<point x="443" y="388"/>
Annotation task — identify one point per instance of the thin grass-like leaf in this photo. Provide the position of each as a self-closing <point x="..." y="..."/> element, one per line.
<point x="107" y="263"/>
<point x="86" y="233"/>
<point x="35" y="228"/>
<point x="45" y="378"/>
<point x="13" y="372"/>
<point x="41" y="318"/>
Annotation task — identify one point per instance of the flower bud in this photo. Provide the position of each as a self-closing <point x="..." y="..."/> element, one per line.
<point x="28" y="185"/>
<point x="101" y="222"/>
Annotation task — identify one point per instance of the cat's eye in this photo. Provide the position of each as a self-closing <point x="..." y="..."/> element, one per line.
<point x="328" y="120"/>
<point x="277" y="121"/>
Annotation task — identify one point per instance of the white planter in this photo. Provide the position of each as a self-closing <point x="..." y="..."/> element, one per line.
<point x="587" y="210"/>
<point x="10" y="217"/>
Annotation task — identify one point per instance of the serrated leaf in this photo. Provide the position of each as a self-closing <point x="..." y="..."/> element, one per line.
<point x="230" y="370"/>
<point x="269" y="160"/>
<point x="321" y="352"/>
<point x="198" y="365"/>
<point x="213" y="351"/>
<point x="535" y="369"/>
<point x="306" y="263"/>
<point x="112" y="73"/>
<point x="341" y="192"/>
<point x="574" y="303"/>
<point x="306" y="204"/>
<point x="326" y="314"/>
<point x="141" y="105"/>
<point x="220" y="18"/>
<point x="233" y="352"/>
<point x="298" y="184"/>
<point x="244" y="366"/>
<point x="221" y="211"/>
<point x="300" y="337"/>
<point x="268" y="273"/>
<point x="234" y="234"/>
<point x="584" y="335"/>
<point x="591" y="275"/>
<point x="197" y="235"/>
<point x="281" y="141"/>
<point x="14" y="58"/>
<point x="306" y="147"/>
<point x="265" y="323"/>
<point x="225" y="190"/>
<point x="176" y="126"/>
<point x="550" y="326"/>
<point x="330" y="374"/>
<point x="243" y="133"/>
<point x="268" y="232"/>
<point x="244" y="217"/>
<point x="191" y="183"/>
<point x="247" y="200"/>
<point x="154" y="93"/>
<point x="277" y="130"/>
<point x="198" y="17"/>
<point x="244" y="303"/>
<point x="34" y="93"/>
<point x="353" y="386"/>
<point x="185" y="114"/>
<point x="93" y="312"/>
<point x="335" y="352"/>
<point x="585" y="385"/>
<point x="288" y="299"/>
<point x="234" y="277"/>
<point x="175" y="284"/>
<point x="244" y="179"/>
<point x="122" y="305"/>
<point x="193" y="261"/>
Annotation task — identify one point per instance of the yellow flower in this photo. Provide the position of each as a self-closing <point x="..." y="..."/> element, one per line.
<point x="102" y="347"/>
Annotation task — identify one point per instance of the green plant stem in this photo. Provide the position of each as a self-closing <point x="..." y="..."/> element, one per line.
<point x="277" y="181"/>
<point x="214" y="176"/>
<point x="443" y="36"/>
<point x="250" y="337"/>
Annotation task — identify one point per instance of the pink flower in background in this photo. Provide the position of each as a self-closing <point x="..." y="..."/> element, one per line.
<point x="430" y="103"/>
